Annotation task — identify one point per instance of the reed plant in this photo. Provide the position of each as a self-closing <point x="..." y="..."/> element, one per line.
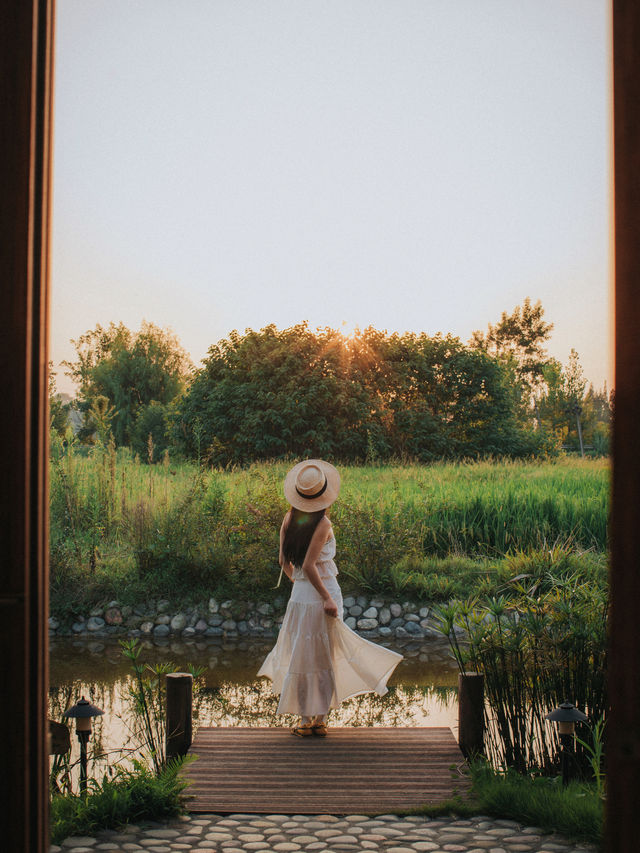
<point x="147" y="695"/>
<point x="541" y="644"/>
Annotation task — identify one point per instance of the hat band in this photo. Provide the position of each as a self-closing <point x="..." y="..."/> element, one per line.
<point x="317" y="494"/>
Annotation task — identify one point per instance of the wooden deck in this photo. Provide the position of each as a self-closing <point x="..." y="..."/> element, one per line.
<point x="351" y="771"/>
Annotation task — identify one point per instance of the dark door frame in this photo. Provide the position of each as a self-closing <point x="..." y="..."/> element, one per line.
<point x="26" y="63"/>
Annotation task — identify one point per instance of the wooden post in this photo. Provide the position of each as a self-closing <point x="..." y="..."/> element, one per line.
<point x="471" y="713"/>
<point x="179" y="708"/>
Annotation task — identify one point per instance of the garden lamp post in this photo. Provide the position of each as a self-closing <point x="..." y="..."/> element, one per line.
<point x="83" y="711"/>
<point x="567" y="715"/>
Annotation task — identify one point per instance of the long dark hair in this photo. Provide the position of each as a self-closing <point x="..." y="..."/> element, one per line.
<point x="297" y="537"/>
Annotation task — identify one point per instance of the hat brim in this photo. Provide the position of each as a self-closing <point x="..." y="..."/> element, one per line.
<point x="312" y="504"/>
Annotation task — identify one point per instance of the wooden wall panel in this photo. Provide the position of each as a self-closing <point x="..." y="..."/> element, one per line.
<point x="26" y="43"/>
<point x="623" y="776"/>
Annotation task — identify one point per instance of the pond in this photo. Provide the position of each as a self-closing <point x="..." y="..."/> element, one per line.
<point x="422" y="690"/>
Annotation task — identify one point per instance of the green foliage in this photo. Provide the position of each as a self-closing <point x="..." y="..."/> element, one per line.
<point x="129" y="370"/>
<point x="123" y="796"/>
<point x="276" y="394"/>
<point x="576" y="811"/>
<point x="519" y="336"/>
<point x="541" y="643"/>
<point x="147" y="692"/>
<point x="151" y="422"/>
<point x="120" y="529"/>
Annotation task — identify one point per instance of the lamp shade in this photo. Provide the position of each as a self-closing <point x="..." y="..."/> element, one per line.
<point x="567" y="713"/>
<point x="84" y="708"/>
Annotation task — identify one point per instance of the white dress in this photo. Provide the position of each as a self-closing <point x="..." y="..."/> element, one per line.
<point x="317" y="661"/>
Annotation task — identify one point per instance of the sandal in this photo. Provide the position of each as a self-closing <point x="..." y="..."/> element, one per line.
<point x="319" y="729"/>
<point x="305" y="730"/>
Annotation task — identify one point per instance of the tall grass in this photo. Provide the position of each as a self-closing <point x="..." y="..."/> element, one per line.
<point x="542" y="645"/>
<point x="118" y="524"/>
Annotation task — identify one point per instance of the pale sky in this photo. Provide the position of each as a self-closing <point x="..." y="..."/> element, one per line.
<point x="414" y="165"/>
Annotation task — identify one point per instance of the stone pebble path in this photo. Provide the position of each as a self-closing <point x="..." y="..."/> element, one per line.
<point x="246" y="833"/>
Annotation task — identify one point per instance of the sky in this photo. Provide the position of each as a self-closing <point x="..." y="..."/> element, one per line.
<point x="414" y="165"/>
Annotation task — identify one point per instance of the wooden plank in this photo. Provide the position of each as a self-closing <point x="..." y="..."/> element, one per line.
<point x="270" y="771"/>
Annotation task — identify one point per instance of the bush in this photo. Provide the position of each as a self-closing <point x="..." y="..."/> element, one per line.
<point x="126" y="797"/>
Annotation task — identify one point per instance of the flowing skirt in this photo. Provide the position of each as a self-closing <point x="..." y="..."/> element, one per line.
<point x="317" y="661"/>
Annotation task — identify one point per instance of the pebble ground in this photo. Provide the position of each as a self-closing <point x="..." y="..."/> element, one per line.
<point x="247" y="833"/>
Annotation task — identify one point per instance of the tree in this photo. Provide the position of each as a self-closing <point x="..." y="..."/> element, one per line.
<point x="561" y="406"/>
<point x="272" y="394"/>
<point x="58" y="411"/>
<point x="520" y="336"/>
<point x="130" y="370"/>
<point x="275" y="394"/>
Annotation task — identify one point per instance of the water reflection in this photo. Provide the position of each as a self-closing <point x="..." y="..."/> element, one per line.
<point x="422" y="691"/>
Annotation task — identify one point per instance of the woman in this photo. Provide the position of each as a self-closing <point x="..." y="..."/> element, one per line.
<point x="318" y="662"/>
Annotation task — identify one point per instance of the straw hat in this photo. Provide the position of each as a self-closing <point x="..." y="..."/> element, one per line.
<point x="312" y="485"/>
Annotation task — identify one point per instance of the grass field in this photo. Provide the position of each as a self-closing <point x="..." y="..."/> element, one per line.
<point x="128" y="530"/>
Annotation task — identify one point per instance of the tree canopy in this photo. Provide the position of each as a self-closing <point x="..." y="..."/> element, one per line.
<point x="296" y="392"/>
<point x="120" y="372"/>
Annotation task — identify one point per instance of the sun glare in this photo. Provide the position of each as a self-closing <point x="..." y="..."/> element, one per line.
<point x="349" y="329"/>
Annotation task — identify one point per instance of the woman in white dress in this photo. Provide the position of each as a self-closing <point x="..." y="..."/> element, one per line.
<point x="318" y="661"/>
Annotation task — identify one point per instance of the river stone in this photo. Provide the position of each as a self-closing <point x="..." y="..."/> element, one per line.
<point x="423" y="612"/>
<point x="414" y="629"/>
<point x="229" y="625"/>
<point x="265" y="609"/>
<point x="214" y="632"/>
<point x="396" y="610"/>
<point x="384" y="616"/>
<point x="215" y="621"/>
<point x="367" y="624"/>
<point x="377" y="603"/>
<point x="146" y="627"/>
<point x="350" y="622"/>
<point x="53" y="624"/>
<point x="200" y="626"/>
<point x="126" y="611"/>
<point x="163" y="606"/>
<point x="95" y="623"/>
<point x="371" y="613"/>
<point x="113" y="616"/>
<point x="411" y="617"/>
<point x="188" y="632"/>
<point x="226" y="605"/>
<point x="384" y="631"/>
<point x="213" y="606"/>
<point x="161" y="631"/>
<point x="163" y="619"/>
<point x="242" y="627"/>
<point x="265" y="622"/>
<point x="179" y="622"/>
<point x="396" y="622"/>
<point x="362" y="601"/>
<point x="349" y="601"/>
<point x="356" y="610"/>
<point x="401" y="632"/>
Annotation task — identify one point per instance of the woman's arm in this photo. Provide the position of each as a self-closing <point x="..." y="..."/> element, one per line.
<point x="318" y="539"/>
<point x="284" y="564"/>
